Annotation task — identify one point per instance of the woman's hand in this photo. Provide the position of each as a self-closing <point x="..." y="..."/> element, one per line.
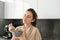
<point x="21" y="37"/>
<point x="24" y="34"/>
<point x="11" y="27"/>
<point x="15" y="38"/>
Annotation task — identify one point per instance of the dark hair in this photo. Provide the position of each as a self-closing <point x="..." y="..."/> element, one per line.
<point x="34" y="15"/>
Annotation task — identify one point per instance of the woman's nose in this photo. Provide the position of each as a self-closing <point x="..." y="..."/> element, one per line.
<point x="25" y="17"/>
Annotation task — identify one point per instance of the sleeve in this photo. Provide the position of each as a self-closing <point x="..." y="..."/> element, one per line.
<point x="38" y="35"/>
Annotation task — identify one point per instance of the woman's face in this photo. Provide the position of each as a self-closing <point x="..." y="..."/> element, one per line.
<point x="28" y="17"/>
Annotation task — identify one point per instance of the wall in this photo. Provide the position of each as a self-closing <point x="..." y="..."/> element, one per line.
<point x="49" y="28"/>
<point x="1" y="16"/>
<point x="3" y="22"/>
<point x="1" y="9"/>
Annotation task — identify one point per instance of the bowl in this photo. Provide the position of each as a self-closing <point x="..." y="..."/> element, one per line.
<point x="17" y="33"/>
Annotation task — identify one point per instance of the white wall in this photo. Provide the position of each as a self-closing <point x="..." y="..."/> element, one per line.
<point x="49" y="9"/>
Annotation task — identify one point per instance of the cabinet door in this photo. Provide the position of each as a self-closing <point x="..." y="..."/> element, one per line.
<point x="49" y="9"/>
<point x="30" y="4"/>
<point x="16" y="9"/>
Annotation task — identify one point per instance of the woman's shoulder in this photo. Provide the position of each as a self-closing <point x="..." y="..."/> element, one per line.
<point x="35" y="28"/>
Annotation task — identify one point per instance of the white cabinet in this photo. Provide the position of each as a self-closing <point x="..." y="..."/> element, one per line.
<point x="16" y="8"/>
<point x="46" y="9"/>
<point x="32" y="4"/>
<point x="49" y="9"/>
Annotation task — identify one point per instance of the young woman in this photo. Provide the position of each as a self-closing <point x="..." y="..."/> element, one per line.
<point x="30" y="32"/>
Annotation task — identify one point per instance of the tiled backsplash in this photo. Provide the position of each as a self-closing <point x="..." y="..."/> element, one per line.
<point x="49" y="28"/>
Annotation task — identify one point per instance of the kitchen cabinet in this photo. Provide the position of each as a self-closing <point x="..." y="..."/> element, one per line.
<point x="16" y="8"/>
<point x="32" y="4"/>
<point x="46" y="9"/>
<point x="49" y="9"/>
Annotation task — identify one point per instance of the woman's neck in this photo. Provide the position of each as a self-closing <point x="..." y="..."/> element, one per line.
<point x="27" y="25"/>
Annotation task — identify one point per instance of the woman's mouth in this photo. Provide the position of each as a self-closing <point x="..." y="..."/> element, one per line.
<point x="25" y="20"/>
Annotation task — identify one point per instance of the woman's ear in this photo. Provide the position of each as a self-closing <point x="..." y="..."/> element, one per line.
<point x="33" y="20"/>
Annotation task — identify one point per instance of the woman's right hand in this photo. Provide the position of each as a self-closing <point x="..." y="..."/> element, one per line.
<point x="11" y="27"/>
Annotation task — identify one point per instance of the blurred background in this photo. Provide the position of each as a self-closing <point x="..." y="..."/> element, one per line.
<point x="12" y="11"/>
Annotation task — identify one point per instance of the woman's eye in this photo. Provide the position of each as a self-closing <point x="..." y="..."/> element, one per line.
<point x="28" y="17"/>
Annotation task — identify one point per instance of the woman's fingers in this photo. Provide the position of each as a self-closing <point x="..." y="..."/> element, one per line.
<point x="11" y="27"/>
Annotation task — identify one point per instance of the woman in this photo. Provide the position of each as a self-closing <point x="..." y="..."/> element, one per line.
<point x="30" y="32"/>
